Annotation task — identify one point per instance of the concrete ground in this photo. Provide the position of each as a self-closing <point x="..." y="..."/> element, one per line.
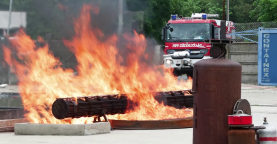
<point x="262" y="98"/>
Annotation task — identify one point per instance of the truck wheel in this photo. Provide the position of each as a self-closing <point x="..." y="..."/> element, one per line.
<point x="176" y="72"/>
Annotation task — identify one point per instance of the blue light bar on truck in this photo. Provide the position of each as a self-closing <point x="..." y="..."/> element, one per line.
<point x="204" y="16"/>
<point x="174" y="17"/>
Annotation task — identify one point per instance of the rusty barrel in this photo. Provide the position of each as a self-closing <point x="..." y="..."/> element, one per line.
<point x="241" y="136"/>
<point x="216" y="87"/>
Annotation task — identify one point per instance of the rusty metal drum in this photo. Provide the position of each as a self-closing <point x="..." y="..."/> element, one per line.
<point x="241" y="136"/>
<point x="216" y="88"/>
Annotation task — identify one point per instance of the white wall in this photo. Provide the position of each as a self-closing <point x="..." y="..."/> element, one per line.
<point x="18" y="19"/>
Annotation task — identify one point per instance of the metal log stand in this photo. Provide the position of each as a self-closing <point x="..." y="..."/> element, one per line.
<point x="216" y="88"/>
<point x="113" y="104"/>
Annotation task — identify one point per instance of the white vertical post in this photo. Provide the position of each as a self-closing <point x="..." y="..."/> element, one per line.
<point x="8" y="33"/>
<point x="10" y="15"/>
<point x="120" y="16"/>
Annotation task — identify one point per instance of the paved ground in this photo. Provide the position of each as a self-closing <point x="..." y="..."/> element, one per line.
<point x="263" y="101"/>
<point x="259" y="95"/>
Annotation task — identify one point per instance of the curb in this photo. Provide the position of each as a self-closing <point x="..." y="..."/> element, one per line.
<point x="260" y="87"/>
<point x="264" y="105"/>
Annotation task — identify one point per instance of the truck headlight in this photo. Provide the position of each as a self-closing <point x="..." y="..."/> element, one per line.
<point x="204" y="51"/>
<point x="169" y="62"/>
<point x="185" y="62"/>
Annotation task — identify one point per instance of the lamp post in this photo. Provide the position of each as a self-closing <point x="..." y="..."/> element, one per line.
<point x="120" y="16"/>
<point x="224" y="10"/>
<point x="10" y="15"/>
<point x="8" y="33"/>
<point x="227" y="10"/>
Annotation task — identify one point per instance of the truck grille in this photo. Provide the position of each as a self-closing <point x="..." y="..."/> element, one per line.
<point x="192" y="51"/>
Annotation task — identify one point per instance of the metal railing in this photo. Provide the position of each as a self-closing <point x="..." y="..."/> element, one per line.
<point x="248" y="32"/>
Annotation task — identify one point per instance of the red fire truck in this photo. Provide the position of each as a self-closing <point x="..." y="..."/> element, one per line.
<point x="184" y="40"/>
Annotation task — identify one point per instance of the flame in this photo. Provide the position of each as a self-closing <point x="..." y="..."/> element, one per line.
<point x="100" y="71"/>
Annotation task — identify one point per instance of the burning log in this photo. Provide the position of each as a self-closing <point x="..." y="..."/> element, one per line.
<point x="113" y="104"/>
<point x="177" y="99"/>
<point x="89" y="106"/>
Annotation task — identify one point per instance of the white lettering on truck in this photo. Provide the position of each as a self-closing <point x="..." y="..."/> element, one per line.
<point x="187" y="45"/>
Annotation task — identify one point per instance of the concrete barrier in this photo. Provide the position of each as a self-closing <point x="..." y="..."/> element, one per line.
<point x="246" y="54"/>
<point x="62" y="129"/>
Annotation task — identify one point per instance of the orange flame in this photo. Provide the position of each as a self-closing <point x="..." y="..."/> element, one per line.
<point x="100" y="71"/>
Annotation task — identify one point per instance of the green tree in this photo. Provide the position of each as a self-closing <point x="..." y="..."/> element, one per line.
<point x="45" y="17"/>
<point x="238" y="9"/>
<point x="265" y="10"/>
<point x="241" y="9"/>
<point x="157" y="12"/>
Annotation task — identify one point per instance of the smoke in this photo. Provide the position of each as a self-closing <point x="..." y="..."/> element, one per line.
<point x="107" y="20"/>
<point x="58" y="20"/>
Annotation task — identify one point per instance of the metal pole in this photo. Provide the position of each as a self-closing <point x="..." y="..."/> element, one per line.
<point x="10" y="15"/>
<point x="8" y="33"/>
<point x="224" y="10"/>
<point x="227" y="10"/>
<point x="120" y="16"/>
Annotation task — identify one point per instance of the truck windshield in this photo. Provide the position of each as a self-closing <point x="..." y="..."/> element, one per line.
<point x="188" y="32"/>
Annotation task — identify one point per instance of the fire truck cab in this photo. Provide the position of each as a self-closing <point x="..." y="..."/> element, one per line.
<point x="184" y="40"/>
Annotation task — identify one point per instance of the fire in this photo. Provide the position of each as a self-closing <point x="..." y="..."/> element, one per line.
<point x="100" y="71"/>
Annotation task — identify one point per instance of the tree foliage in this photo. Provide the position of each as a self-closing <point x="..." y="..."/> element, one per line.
<point x="265" y="10"/>
<point x="157" y="12"/>
<point x="44" y="17"/>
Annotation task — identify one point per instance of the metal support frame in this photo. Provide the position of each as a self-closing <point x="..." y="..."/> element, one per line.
<point x="98" y="119"/>
<point x="249" y="32"/>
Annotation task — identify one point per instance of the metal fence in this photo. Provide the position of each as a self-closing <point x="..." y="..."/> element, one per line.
<point x="245" y="31"/>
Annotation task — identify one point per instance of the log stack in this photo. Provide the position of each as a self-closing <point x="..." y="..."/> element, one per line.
<point x="114" y="104"/>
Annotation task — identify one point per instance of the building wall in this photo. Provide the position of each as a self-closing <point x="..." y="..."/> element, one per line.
<point x="246" y="54"/>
